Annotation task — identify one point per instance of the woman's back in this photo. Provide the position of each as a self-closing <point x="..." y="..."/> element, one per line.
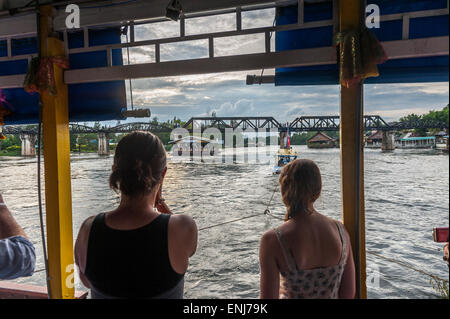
<point x="309" y="256"/>
<point x="313" y="257"/>
<point x="140" y="249"/>
<point x="131" y="263"/>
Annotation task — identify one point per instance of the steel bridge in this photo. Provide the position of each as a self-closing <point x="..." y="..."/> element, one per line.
<point x="371" y="122"/>
<point x="84" y="129"/>
<point x="307" y="123"/>
<point x="244" y="123"/>
<point x="300" y="124"/>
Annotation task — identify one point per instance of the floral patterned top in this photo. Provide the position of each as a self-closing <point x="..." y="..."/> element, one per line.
<point x="316" y="283"/>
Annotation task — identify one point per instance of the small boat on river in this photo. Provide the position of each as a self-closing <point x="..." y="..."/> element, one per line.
<point x="284" y="157"/>
<point x="285" y="154"/>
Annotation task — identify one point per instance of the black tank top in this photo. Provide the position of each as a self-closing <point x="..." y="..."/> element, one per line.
<point x="130" y="263"/>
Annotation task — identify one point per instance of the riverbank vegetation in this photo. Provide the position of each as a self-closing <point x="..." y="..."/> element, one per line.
<point x="437" y="116"/>
<point x="11" y="146"/>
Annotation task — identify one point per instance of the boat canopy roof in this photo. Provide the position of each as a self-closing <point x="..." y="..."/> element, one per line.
<point x="418" y="138"/>
<point x="194" y="139"/>
<point x="291" y="155"/>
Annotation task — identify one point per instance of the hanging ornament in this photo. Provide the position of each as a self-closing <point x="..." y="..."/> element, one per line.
<point x="41" y="75"/>
<point x="4" y="111"/>
<point x="359" y="55"/>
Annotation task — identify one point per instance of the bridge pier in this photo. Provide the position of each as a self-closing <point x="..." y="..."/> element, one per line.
<point x="283" y="139"/>
<point x="28" y="144"/>
<point x="387" y="142"/>
<point x="103" y="144"/>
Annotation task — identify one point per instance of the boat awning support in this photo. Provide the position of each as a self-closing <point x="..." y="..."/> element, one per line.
<point x="58" y="198"/>
<point x="352" y="156"/>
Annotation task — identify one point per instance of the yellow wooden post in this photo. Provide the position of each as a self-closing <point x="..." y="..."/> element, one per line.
<point x="56" y="141"/>
<point x="351" y="132"/>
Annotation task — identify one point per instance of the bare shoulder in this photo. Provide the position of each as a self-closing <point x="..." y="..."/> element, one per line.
<point x="333" y="222"/>
<point x="344" y="229"/>
<point x="82" y="242"/>
<point x="341" y="224"/>
<point x="183" y="230"/>
<point x="182" y="221"/>
<point x="269" y="239"/>
<point x="86" y="225"/>
<point x="83" y="233"/>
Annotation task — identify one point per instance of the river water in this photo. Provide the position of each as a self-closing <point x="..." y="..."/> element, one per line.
<point x="406" y="195"/>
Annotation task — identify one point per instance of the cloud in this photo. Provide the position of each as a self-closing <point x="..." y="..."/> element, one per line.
<point x="243" y="107"/>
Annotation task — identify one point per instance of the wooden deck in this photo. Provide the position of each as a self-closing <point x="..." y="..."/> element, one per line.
<point x="12" y="290"/>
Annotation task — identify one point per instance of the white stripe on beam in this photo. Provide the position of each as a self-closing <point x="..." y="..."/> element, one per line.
<point x="405" y="28"/>
<point x="305" y="57"/>
<point x="8" y="48"/>
<point x="417" y="48"/>
<point x="12" y="81"/>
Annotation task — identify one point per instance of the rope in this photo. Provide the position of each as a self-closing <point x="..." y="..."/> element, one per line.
<point x="39" y="137"/>
<point x="407" y="266"/>
<point x="131" y="86"/>
<point x="266" y="212"/>
<point x="229" y="222"/>
<point x="270" y="38"/>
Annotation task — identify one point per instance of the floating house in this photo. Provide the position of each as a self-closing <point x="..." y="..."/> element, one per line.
<point x="442" y="141"/>
<point x="418" y="142"/>
<point x="374" y="140"/>
<point x="321" y="140"/>
<point x="411" y="141"/>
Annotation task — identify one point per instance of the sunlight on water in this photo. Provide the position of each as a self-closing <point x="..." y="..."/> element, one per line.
<point x="406" y="196"/>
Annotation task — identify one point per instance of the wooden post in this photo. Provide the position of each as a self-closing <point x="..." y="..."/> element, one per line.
<point x="58" y="199"/>
<point x="352" y="158"/>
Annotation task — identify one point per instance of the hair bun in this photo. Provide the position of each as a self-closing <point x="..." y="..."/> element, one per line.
<point x="301" y="184"/>
<point x="139" y="161"/>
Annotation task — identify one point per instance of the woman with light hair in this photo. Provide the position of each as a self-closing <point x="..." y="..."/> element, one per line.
<point x="310" y="255"/>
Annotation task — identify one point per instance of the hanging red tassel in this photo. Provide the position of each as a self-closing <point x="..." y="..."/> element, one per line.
<point x="41" y="76"/>
<point x="4" y="111"/>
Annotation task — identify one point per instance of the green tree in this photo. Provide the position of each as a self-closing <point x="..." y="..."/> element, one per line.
<point x="11" y="146"/>
<point x="436" y="116"/>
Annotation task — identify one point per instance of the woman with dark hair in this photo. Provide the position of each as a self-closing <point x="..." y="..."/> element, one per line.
<point x="310" y="255"/>
<point x="138" y="250"/>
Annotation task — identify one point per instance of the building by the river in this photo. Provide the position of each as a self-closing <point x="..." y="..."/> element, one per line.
<point x="374" y="140"/>
<point x="321" y="140"/>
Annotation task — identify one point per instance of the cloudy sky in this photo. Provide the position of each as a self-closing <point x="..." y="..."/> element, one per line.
<point x="228" y="95"/>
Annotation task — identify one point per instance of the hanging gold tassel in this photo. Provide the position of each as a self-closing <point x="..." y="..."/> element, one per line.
<point x="359" y="55"/>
